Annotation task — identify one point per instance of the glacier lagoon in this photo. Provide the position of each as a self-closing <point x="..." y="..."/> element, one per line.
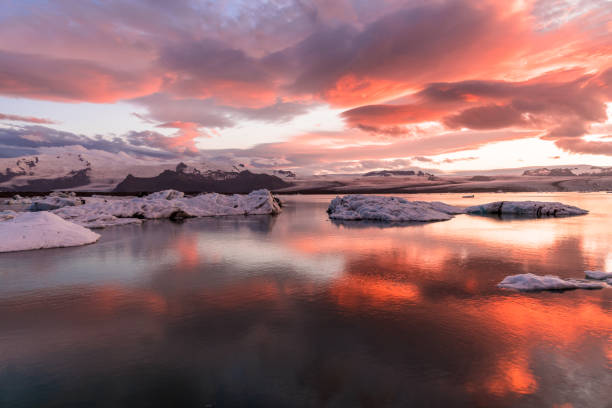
<point x="301" y="310"/>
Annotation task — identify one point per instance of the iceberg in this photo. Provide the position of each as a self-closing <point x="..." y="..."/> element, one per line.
<point x="598" y="275"/>
<point x="36" y="230"/>
<point x="534" y="209"/>
<point x="531" y="282"/>
<point x="100" y="212"/>
<point x="390" y="209"/>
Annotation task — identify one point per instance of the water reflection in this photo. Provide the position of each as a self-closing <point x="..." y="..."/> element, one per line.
<point x="296" y="310"/>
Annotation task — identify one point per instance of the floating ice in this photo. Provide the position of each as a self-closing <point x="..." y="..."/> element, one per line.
<point x="382" y="208"/>
<point x="526" y="208"/>
<point x="36" y="230"/>
<point x="100" y="212"/>
<point x="531" y="282"/>
<point x="598" y="275"/>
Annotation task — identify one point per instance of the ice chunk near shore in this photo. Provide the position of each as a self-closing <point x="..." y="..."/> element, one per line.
<point x="36" y="230"/>
<point x="531" y="282"/>
<point x="598" y="275"/>
<point x="392" y="209"/>
<point x="100" y="213"/>
<point x="526" y="208"/>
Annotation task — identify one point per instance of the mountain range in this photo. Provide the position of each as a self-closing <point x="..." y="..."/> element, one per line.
<point x="90" y="170"/>
<point x="81" y="169"/>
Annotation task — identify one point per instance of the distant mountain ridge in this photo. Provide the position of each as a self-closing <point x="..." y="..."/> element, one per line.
<point x="197" y="181"/>
<point x="80" y="169"/>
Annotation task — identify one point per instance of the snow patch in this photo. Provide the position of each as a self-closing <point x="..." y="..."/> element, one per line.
<point x="531" y="282"/>
<point x="391" y="209"/>
<point x="37" y="230"/>
<point x="526" y="208"/>
<point x="100" y="213"/>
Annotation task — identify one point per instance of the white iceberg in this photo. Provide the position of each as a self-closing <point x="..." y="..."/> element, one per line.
<point x="598" y="275"/>
<point x="526" y="209"/>
<point x="100" y="212"/>
<point x="531" y="282"/>
<point x="392" y="209"/>
<point x="36" y="230"/>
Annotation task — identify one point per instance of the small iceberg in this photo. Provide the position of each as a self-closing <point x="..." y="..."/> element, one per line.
<point x="100" y="212"/>
<point x="36" y="230"/>
<point x="598" y="275"/>
<point x="534" y="209"/>
<point x="530" y="282"/>
<point x="389" y="209"/>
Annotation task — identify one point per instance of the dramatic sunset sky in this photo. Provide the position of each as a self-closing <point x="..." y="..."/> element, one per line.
<point x="312" y="85"/>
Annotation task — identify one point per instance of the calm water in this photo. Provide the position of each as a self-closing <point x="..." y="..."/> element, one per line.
<point x="296" y="310"/>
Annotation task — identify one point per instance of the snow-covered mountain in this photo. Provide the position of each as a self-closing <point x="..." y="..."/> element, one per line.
<point x="77" y="168"/>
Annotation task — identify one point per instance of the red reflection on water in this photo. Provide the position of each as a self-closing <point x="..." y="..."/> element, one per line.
<point x="373" y="292"/>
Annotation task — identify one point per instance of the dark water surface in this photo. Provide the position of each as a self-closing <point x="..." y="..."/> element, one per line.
<point x="296" y="310"/>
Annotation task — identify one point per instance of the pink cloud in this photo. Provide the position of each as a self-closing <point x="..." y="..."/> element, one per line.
<point x="184" y="139"/>
<point x="529" y="67"/>
<point x="585" y="147"/>
<point x="29" y="119"/>
<point x="559" y="104"/>
<point x="38" y="77"/>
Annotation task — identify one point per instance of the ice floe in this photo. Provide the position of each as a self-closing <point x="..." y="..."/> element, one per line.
<point x="526" y="209"/>
<point x="100" y="212"/>
<point x="598" y="275"/>
<point x="531" y="282"/>
<point x="21" y="231"/>
<point x="391" y="209"/>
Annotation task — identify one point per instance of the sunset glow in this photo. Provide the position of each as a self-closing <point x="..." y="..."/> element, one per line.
<point x="503" y="83"/>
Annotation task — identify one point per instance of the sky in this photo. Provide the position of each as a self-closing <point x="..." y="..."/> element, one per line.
<point x="315" y="86"/>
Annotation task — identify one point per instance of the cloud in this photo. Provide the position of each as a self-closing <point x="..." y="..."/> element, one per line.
<point x="422" y="159"/>
<point x="393" y="131"/>
<point x="207" y="113"/>
<point x="21" y="140"/>
<point x="330" y="150"/>
<point x="348" y="53"/>
<point x="39" y="77"/>
<point x="486" y="117"/>
<point x="30" y="119"/>
<point x="585" y="147"/>
<point x="560" y="104"/>
<point x="449" y="161"/>
<point x="536" y="67"/>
